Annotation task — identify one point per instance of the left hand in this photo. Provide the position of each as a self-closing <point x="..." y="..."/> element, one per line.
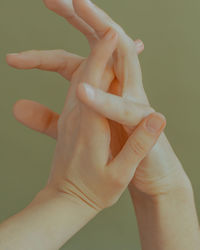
<point x="161" y="171"/>
<point x="83" y="180"/>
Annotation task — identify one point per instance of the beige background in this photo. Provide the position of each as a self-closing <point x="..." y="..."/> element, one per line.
<point x="170" y="31"/>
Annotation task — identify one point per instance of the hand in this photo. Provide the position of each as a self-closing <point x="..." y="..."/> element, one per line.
<point x="160" y="171"/>
<point x="83" y="181"/>
<point x="112" y="173"/>
<point x="82" y="151"/>
<point x="81" y="166"/>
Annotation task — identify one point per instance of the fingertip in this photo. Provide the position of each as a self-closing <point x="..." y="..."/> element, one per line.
<point x="9" y="58"/>
<point x="163" y="118"/>
<point x="139" y="46"/>
<point x="139" y="43"/>
<point x="85" y="92"/>
<point x="19" y="109"/>
<point x="14" y="60"/>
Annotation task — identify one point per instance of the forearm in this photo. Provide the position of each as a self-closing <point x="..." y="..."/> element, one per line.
<point x="47" y="223"/>
<point x="168" y="222"/>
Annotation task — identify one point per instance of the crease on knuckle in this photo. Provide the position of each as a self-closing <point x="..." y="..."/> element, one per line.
<point x="102" y="33"/>
<point x="137" y="147"/>
<point x="71" y="17"/>
<point x="48" y="121"/>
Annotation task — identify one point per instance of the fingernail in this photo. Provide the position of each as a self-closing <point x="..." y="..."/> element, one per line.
<point x="110" y="34"/>
<point x="89" y="91"/>
<point x="156" y="123"/>
<point x="139" y="43"/>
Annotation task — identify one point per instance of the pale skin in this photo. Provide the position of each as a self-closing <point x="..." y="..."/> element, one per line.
<point x="83" y="180"/>
<point x="160" y="186"/>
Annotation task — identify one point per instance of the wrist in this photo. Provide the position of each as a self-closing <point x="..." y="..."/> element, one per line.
<point x="49" y="194"/>
<point x="57" y="217"/>
<point x="48" y="222"/>
<point x="183" y="191"/>
<point x="162" y="216"/>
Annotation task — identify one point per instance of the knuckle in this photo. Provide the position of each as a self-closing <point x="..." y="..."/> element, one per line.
<point x="138" y="147"/>
<point x="71" y="17"/>
<point x="117" y="27"/>
<point x="49" y="118"/>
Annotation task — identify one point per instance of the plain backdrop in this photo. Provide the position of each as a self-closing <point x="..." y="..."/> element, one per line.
<point x="171" y="72"/>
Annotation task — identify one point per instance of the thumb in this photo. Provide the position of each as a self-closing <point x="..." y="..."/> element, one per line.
<point x="138" y="146"/>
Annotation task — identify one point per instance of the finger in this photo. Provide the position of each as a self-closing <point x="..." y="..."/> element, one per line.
<point x="139" y="46"/>
<point x="65" y="9"/>
<point x="128" y="71"/>
<point x="99" y="57"/>
<point x="100" y="50"/>
<point x="138" y="146"/>
<point x="102" y="20"/>
<point x="94" y="71"/>
<point x="59" y="61"/>
<point x="127" y="67"/>
<point x="113" y="107"/>
<point x="37" y="117"/>
<point x="94" y="16"/>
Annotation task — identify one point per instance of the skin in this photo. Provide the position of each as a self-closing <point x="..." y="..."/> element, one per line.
<point x="71" y="197"/>
<point x="160" y="178"/>
<point x="124" y="73"/>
